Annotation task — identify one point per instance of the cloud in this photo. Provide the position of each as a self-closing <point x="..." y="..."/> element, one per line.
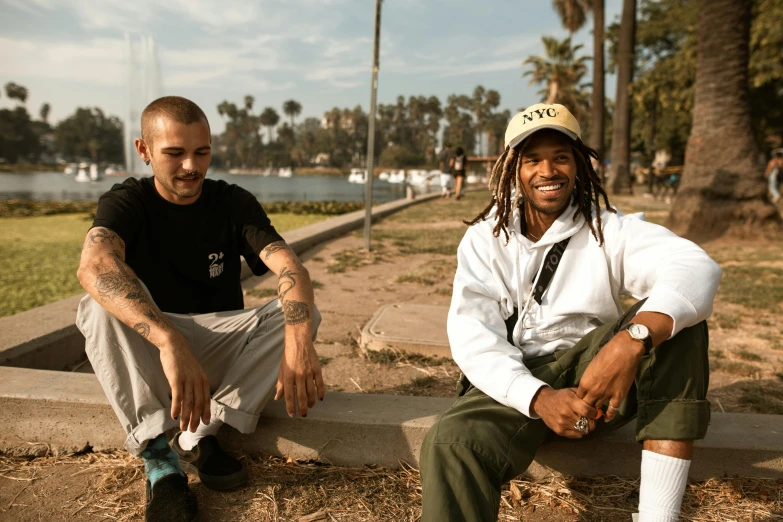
<point x="98" y="60"/>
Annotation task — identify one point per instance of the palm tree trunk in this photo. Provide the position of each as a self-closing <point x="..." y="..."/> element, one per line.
<point x="553" y="91"/>
<point x="619" y="171"/>
<point x="722" y="187"/>
<point x="597" y="118"/>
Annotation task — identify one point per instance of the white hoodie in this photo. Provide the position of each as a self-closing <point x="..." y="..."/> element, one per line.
<point x="638" y="258"/>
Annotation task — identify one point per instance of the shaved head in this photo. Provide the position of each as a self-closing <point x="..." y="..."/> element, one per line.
<point x="175" y="108"/>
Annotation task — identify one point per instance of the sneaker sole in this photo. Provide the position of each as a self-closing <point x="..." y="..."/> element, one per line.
<point x="217" y="482"/>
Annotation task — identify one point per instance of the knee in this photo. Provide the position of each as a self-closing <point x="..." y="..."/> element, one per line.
<point x="91" y="316"/>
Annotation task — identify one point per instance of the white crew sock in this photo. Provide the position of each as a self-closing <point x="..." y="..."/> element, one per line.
<point x="662" y="486"/>
<point x="187" y="439"/>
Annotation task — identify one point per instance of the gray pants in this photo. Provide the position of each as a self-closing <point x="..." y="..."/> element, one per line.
<point x="240" y="351"/>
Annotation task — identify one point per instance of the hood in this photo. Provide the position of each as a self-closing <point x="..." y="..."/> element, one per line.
<point x="565" y="226"/>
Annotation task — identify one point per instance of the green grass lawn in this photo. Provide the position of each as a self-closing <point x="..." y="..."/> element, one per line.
<point x="39" y="256"/>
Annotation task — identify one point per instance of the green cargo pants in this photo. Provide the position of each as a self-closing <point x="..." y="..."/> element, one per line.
<point x="478" y="444"/>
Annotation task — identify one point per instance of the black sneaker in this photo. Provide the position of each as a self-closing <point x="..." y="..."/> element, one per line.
<point x="170" y="500"/>
<point x="216" y="468"/>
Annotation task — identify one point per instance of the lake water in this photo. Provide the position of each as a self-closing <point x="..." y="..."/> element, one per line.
<point x="55" y="186"/>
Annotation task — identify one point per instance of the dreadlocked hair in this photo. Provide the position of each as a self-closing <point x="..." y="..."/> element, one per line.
<point x="505" y="180"/>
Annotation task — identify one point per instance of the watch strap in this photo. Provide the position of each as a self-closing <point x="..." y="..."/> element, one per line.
<point x="647" y="341"/>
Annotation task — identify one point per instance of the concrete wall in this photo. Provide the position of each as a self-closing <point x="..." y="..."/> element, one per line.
<point x="64" y="411"/>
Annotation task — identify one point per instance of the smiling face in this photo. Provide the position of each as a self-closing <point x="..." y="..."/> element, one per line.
<point x="180" y="154"/>
<point x="548" y="172"/>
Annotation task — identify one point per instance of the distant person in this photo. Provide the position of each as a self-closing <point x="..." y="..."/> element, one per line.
<point x="446" y="165"/>
<point x="164" y="323"/>
<point x="774" y="175"/>
<point x="537" y="327"/>
<point x="460" y="165"/>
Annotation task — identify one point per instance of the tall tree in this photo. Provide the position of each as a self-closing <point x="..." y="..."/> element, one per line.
<point x="619" y="171"/>
<point x="597" y="115"/>
<point x="44" y="112"/>
<point x="89" y="133"/>
<point x="482" y="104"/>
<point x="292" y="109"/>
<point x="561" y="73"/>
<point x="269" y="118"/>
<point x="16" y="91"/>
<point x="722" y="188"/>
<point x="573" y="15"/>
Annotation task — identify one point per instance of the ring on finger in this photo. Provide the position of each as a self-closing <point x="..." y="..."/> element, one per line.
<point x="582" y="425"/>
<point x="613" y="408"/>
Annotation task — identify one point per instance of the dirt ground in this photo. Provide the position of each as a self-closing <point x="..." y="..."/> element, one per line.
<point x="413" y="262"/>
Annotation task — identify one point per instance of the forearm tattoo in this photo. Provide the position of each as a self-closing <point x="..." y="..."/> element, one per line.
<point x="295" y="312"/>
<point x="143" y="329"/>
<point x="121" y="286"/>
<point x="271" y="248"/>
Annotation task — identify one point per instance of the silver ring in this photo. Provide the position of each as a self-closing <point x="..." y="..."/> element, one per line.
<point x="613" y="408"/>
<point x="582" y="426"/>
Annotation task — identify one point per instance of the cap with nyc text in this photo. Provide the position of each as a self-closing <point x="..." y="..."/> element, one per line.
<point x="538" y="117"/>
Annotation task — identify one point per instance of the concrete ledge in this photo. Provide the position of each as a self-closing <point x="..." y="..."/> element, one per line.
<point x="69" y="411"/>
<point x="408" y="327"/>
<point x="27" y="337"/>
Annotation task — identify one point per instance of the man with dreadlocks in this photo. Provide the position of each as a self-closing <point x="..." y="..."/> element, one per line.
<point x="537" y="327"/>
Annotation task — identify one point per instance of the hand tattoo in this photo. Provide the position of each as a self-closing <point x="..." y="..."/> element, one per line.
<point x="271" y="248"/>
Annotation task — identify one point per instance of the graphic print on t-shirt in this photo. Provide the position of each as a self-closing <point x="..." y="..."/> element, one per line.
<point x="215" y="268"/>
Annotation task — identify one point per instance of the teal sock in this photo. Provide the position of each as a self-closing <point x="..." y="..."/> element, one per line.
<point x="159" y="459"/>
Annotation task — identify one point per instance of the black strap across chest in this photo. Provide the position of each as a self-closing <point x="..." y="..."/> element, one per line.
<point x="548" y="269"/>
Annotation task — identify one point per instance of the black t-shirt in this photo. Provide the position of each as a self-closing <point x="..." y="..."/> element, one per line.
<point x="188" y="255"/>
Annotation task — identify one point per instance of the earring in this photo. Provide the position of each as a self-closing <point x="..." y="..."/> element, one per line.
<point x="146" y="162"/>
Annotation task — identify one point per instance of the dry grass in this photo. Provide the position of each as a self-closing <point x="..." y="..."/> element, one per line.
<point x="282" y="489"/>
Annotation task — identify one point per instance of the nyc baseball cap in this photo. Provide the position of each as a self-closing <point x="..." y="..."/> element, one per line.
<point x="541" y="116"/>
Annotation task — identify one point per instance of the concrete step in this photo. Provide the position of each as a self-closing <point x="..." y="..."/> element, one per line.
<point x="68" y="412"/>
<point x="408" y="327"/>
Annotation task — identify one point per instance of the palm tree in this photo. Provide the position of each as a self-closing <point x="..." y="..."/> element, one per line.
<point x="45" y="110"/>
<point x="292" y="109"/>
<point x="561" y="73"/>
<point x="16" y="91"/>
<point x="722" y="188"/>
<point x="619" y="171"/>
<point x="573" y="14"/>
<point x="269" y="119"/>
<point x="249" y="100"/>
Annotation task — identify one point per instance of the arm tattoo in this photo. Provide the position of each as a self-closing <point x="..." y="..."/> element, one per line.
<point x="295" y="312"/>
<point x="271" y="248"/>
<point x="102" y="235"/>
<point x="121" y="286"/>
<point x="143" y="329"/>
<point x="285" y="282"/>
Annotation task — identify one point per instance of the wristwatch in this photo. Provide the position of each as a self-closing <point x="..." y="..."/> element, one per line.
<point x="639" y="332"/>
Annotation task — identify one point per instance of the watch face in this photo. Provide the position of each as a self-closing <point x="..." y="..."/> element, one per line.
<point x="638" y="331"/>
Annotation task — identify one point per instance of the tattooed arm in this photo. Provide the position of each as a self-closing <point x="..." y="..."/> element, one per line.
<point x="299" y="379"/>
<point x="105" y="276"/>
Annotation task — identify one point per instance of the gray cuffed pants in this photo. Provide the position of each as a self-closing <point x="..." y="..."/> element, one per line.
<point x="240" y="351"/>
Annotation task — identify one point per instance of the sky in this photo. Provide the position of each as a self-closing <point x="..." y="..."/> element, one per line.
<point x="72" y="53"/>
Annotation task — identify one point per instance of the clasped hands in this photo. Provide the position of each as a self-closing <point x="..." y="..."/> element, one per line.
<point x="606" y="380"/>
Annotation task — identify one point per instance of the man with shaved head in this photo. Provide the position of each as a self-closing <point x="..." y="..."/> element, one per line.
<point x="164" y="322"/>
